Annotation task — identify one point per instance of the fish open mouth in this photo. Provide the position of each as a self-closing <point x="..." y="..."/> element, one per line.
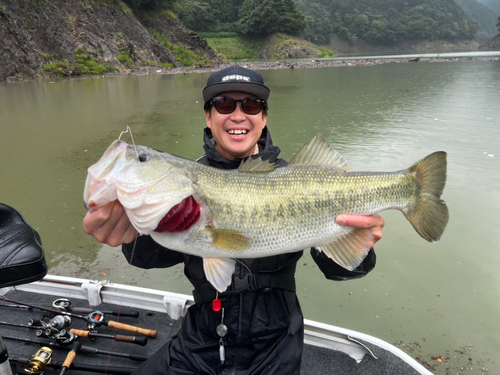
<point x="180" y="217"/>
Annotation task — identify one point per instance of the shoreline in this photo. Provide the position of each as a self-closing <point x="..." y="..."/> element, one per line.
<point x="258" y="65"/>
<point x="314" y="63"/>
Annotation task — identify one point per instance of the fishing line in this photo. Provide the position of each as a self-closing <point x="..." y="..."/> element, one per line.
<point x="133" y="251"/>
<point x="131" y="136"/>
<point x="244" y="265"/>
<point x="128" y="130"/>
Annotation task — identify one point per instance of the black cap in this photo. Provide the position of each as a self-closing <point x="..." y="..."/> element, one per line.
<point x="235" y="78"/>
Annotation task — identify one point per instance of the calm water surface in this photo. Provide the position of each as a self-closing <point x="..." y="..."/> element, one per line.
<point x="433" y="300"/>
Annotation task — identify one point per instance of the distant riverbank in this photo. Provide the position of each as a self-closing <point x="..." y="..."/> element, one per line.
<point x="318" y="63"/>
<point x="282" y="64"/>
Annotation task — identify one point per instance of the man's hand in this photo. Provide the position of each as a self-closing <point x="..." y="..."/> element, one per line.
<point x="374" y="223"/>
<point x="110" y="225"/>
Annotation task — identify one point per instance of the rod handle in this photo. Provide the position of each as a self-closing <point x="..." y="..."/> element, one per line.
<point x="143" y="331"/>
<point x="139" y="357"/>
<point x="80" y="332"/>
<point x="132" y="339"/>
<point x="70" y="357"/>
<point x="131" y="314"/>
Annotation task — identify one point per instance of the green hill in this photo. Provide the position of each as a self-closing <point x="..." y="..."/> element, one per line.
<point x="494" y="5"/>
<point x="375" y="21"/>
<point x="386" y="21"/>
<point x="483" y="16"/>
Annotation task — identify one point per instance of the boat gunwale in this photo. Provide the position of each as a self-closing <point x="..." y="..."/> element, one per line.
<point x="176" y="304"/>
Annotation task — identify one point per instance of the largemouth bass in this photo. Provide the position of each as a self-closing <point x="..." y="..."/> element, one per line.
<point x="260" y="210"/>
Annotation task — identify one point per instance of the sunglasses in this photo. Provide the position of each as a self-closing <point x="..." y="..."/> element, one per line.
<point x="226" y="105"/>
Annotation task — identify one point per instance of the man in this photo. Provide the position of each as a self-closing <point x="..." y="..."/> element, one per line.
<point x="256" y="327"/>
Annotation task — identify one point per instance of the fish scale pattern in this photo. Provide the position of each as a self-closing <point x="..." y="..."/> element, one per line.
<point x="293" y="208"/>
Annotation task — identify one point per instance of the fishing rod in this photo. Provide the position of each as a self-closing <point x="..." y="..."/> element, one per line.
<point x="70" y="357"/>
<point x="44" y="331"/>
<point x="83" y="348"/>
<point x="96" y="318"/>
<point x="130" y="339"/>
<point x="17" y="307"/>
<point x="111" y="370"/>
<point x="65" y="304"/>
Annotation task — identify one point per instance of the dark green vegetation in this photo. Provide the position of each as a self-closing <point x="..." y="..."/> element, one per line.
<point x="182" y="54"/>
<point x="235" y="28"/>
<point x="87" y="62"/>
<point x="235" y="46"/>
<point x="482" y="15"/>
<point x="264" y="17"/>
<point x="136" y="5"/>
<point x="247" y="17"/>
<point x="375" y="21"/>
<point x="387" y="21"/>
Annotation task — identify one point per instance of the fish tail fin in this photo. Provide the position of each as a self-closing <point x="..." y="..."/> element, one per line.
<point x="428" y="212"/>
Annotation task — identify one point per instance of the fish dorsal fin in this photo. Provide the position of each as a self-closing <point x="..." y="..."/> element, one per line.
<point x="319" y="152"/>
<point x="350" y="249"/>
<point x="219" y="272"/>
<point x="256" y="166"/>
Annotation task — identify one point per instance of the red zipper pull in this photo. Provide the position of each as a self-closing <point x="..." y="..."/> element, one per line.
<point x="216" y="304"/>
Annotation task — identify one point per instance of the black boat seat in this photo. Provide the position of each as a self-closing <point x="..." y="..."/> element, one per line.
<point x="22" y="259"/>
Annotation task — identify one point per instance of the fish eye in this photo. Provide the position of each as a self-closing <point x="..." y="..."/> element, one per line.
<point x="143" y="157"/>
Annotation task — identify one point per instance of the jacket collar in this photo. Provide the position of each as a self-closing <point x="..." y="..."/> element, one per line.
<point x="267" y="151"/>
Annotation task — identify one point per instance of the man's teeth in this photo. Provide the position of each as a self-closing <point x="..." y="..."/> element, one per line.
<point x="237" y="132"/>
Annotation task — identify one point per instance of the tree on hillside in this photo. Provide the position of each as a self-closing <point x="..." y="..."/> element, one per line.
<point x="149" y="4"/>
<point x="318" y="25"/>
<point x="264" y="17"/>
<point x="391" y="21"/>
<point x="196" y="15"/>
<point x="227" y="10"/>
<point x="498" y="24"/>
<point x="482" y="15"/>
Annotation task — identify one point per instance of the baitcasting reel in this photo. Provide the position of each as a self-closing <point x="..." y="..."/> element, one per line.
<point x="40" y="360"/>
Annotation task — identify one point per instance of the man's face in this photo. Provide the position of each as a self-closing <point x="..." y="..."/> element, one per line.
<point x="237" y="133"/>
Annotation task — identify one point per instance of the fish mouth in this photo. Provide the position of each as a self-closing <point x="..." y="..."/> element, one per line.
<point x="180" y="217"/>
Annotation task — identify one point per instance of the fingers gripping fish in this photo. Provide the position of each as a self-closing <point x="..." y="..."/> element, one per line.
<point x="259" y="210"/>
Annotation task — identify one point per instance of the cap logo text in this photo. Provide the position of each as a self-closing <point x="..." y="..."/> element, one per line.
<point x="235" y="77"/>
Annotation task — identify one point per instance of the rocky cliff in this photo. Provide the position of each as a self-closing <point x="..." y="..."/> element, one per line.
<point x="491" y="45"/>
<point x="178" y="34"/>
<point x="76" y="37"/>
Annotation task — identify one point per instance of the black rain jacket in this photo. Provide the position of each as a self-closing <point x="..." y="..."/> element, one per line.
<point x="261" y="309"/>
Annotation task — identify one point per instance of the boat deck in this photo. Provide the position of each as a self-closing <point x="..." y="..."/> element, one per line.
<point x="316" y="360"/>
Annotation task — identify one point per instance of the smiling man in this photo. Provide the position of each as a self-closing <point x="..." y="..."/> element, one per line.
<point x="236" y="110"/>
<point x="256" y="326"/>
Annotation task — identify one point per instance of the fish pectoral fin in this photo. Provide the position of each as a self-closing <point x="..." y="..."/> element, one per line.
<point x="227" y="240"/>
<point x="350" y="249"/>
<point x="219" y="272"/>
<point x="319" y="152"/>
